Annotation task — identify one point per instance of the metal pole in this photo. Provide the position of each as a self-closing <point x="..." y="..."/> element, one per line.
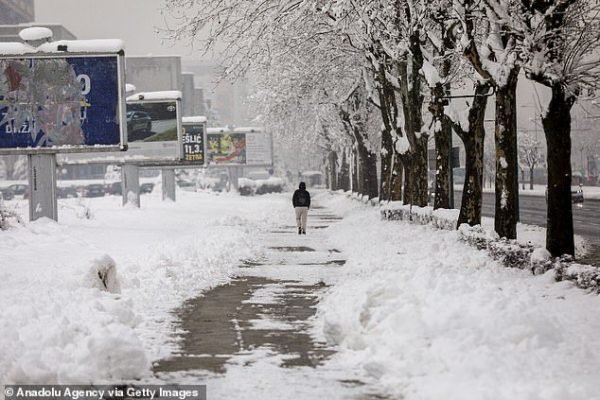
<point x="234" y="174"/>
<point x="451" y="175"/>
<point x="131" y="184"/>
<point x="168" y="184"/>
<point x="42" y="186"/>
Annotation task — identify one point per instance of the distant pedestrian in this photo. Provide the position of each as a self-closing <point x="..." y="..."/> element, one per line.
<point x="301" y="202"/>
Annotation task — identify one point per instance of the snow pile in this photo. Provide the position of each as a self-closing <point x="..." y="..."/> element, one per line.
<point x="103" y="275"/>
<point x="156" y="96"/>
<point x="440" y="218"/>
<point x="35" y="33"/>
<point x="431" y="317"/>
<point x="91" y="300"/>
<point x="246" y="183"/>
<point x="269" y="185"/>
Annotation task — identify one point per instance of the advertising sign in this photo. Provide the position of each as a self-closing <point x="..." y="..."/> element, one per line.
<point x="153" y="127"/>
<point x="239" y="147"/>
<point x="152" y="121"/>
<point x="226" y="148"/>
<point x="69" y="103"/>
<point x="193" y="140"/>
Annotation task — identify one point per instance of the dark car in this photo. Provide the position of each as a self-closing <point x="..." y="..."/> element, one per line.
<point x="7" y="194"/>
<point x="146" y="187"/>
<point x="94" y="190"/>
<point x="18" y="189"/>
<point x="114" y="188"/>
<point x="577" y="194"/>
<point x="66" y="192"/>
<point x="138" y="121"/>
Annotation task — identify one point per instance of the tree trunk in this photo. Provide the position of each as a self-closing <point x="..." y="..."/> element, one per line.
<point x="332" y="166"/>
<point x="407" y="192"/>
<point x="396" y="186"/>
<point x="531" y="170"/>
<point x="415" y="161"/>
<point x="443" y="140"/>
<point x="389" y="116"/>
<point x="419" y="139"/>
<point x="367" y="168"/>
<point x="557" y="128"/>
<point x="419" y="171"/>
<point x="387" y="156"/>
<point x="344" y="175"/>
<point x="507" y="178"/>
<point x="355" y="185"/>
<point x="473" y="140"/>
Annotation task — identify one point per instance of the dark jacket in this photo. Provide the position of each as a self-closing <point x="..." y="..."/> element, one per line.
<point x="299" y="194"/>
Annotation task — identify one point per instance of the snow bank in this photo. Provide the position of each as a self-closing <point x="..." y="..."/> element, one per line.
<point x="430" y="317"/>
<point x="84" y="46"/>
<point x="156" y="96"/>
<point x="193" y="120"/>
<point x="62" y="318"/>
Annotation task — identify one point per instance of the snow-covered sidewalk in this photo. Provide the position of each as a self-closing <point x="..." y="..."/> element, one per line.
<point x="432" y="318"/>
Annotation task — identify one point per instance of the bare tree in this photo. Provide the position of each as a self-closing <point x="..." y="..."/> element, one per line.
<point x="530" y="154"/>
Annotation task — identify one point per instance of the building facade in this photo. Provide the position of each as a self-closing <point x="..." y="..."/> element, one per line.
<point x="13" y="12"/>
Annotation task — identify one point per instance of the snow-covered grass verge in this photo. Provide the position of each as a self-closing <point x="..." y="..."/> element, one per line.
<point x="524" y="254"/>
<point x="432" y="317"/>
<point x="89" y="299"/>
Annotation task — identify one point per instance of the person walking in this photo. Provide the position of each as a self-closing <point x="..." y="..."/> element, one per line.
<point x="301" y="202"/>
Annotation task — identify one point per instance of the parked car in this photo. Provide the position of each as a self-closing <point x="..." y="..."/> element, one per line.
<point x="66" y="192"/>
<point x="114" y="188"/>
<point x="18" y="189"/>
<point x="138" y="121"/>
<point x="94" y="190"/>
<point x="146" y="187"/>
<point x="577" y="194"/>
<point x="7" y="194"/>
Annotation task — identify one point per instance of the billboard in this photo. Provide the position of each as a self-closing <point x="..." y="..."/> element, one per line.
<point x="62" y="103"/>
<point x="194" y="130"/>
<point x="153" y="132"/>
<point x="152" y="121"/>
<point x="242" y="146"/>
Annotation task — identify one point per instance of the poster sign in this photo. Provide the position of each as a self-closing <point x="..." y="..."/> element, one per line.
<point x="70" y="102"/>
<point x="152" y="121"/>
<point x="243" y="146"/>
<point x="192" y="140"/>
<point x="226" y="148"/>
<point x="258" y="146"/>
<point x="154" y="133"/>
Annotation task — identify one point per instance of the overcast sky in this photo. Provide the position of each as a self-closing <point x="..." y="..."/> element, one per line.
<point x="134" y="21"/>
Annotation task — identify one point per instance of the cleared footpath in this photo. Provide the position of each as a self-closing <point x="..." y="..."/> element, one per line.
<point x="254" y="337"/>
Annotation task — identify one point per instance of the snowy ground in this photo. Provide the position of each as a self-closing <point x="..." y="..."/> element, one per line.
<point x="413" y="310"/>
<point x="432" y="318"/>
<point x="55" y="326"/>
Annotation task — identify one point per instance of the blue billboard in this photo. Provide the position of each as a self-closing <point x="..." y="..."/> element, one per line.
<point x="60" y="102"/>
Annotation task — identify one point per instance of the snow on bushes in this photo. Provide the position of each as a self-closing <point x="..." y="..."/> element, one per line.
<point x="8" y="218"/>
<point x="511" y="253"/>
